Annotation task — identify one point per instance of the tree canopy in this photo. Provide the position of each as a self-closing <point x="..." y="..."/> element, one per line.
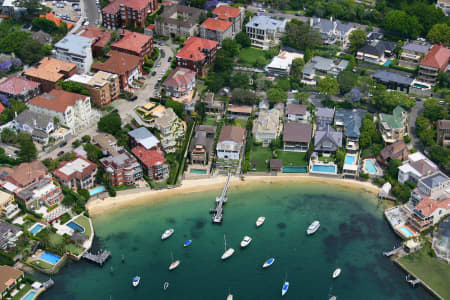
<point x="243" y="96"/>
<point x="277" y="95"/>
<point x="347" y="80"/>
<point x="439" y="33"/>
<point x="357" y="39"/>
<point x="74" y="87"/>
<point x="402" y="24"/>
<point x="111" y="123"/>
<point x="386" y="101"/>
<point x="328" y="86"/>
<point x="243" y="39"/>
<point x="33" y="6"/>
<point x="296" y="68"/>
<point x="299" y="35"/>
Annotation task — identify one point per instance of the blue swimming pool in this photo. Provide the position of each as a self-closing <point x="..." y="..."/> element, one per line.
<point x="96" y="191"/>
<point x="29" y="296"/>
<point x="324" y="169"/>
<point x="75" y="226"/>
<point x="49" y="257"/>
<point x="293" y="169"/>
<point x="388" y="62"/>
<point x="36" y="228"/>
<point x="197" y="171"/>
<point x="406" y="232"/>
<point x="370" y="167"/>
<point x="349" y="159"/>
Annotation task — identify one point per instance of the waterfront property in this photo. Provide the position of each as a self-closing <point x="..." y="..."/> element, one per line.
<point x="321" y="168"/>
<point x="201" y="147"/>
<point x="393" y="126"/>
<point x="122" y="167"/>
<point x="96" y="191"/>
<point x="397" y="150"/>
<point x="350" y="168"/>
<point x="142" y="137"/>
<point x="76" y="174"/>
<point x="441" y="240"/>
<point x="8" y="234"/>
<point x="296" y="136"/>
<point x="417" y="166"/>
<point x="267" y="127"/>
<point x="327" y="140"/>
<point x="349" y="122"/>
<point x="49" y="258"/>
<point x="9" y="278"/>
<point x="230" y="142"/>
<point x="153" y="163"/>
<point x="371" y="167"/>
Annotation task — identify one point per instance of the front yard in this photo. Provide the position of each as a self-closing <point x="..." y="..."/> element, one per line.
<point x="249" y="57"/>
<point x="258" y="158"/>
<point x="293" y="158"/>
<point x="431" y="270"/>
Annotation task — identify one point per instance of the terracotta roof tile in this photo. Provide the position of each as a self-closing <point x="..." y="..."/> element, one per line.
<point x="232" y="133"/>
<point x="180" y="77"/>
<point x="216" y="25"/>
<point x="25" y="173"/>
<point x="444" y="124"/>
<point x="118" y="63"/>
<point x="15" y="85"/>
<point x="113" y="7"/>
<point x="2" y="108"/>
<point x="78" y="168"/>
<point x="149" y="158"/>
<point x="428" y="206"/>
<point x="193" y="48"/>
<point x="225" y="12"/>
<point x="437" y="57"/>
<point x="132" y="41"/>
<point x="50" y="68"/>
<point x="101" y="36"/>
<point x="56" y="100"/>
<point x="51" y="17"/>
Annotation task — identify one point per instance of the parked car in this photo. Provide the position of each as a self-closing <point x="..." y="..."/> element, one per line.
<point x="163" y="54"/>
<point x="170" y="59"/>
<point x="153" y="73"/>
<point x="60" y="153"/>
<point x="158" y="64"/>
<point x="133" y="98"/>
<point x="115" y="111"/>
<point x="62" y="144"/>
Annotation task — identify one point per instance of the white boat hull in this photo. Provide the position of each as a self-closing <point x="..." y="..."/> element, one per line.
<point x="168" y="233"/>
<point x="313" y="228"/>
<point x="246" y="241"/>
<point x="228" y="253"/>
<point x="260" y="221"/>
<point x="174" y="265"/>
<point x="285" y="288"/>
<point x="336" y="273"/>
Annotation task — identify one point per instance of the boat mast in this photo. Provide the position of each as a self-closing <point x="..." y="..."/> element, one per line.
<point x="225" y="241"/>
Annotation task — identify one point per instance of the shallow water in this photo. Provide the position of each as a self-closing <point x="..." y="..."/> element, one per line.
<point x="352" y="236"/>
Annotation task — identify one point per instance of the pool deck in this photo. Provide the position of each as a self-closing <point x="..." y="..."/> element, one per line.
<point x="35" y="224"/>
<point x="379" y="172"/>
<point x="318" y="163"/>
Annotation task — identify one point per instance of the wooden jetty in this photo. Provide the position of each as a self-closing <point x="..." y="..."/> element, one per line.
<point x="217" y="217"/>
<point x="100" y="258"/>
<point x="49" y="283"/>
<point x="393" y="251"/>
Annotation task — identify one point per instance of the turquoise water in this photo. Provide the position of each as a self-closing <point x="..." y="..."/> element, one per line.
<point x="35" y="229"/>
<point x="349" y="159"/>
<point x="29" y="295"/>
<point x="388" y="62"/>
<point x="370" y="167"/>
<point x="292" y="169"/>
<point x="75" y="226"/>
<point x="197" y="171"/>
<point x="49" y="257"/>
<point x="323" y="168"/>
<point x="97" y="190"/>
<point x="352" y="236"/>
<point x="406" y="232"/>
<point x="421" y="86"/>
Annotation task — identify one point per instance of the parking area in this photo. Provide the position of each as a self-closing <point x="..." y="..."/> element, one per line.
<point x="68" y="11"/>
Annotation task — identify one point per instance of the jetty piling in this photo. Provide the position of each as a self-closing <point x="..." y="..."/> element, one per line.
<point x="100" y="258"/>
<point x="393" y="251"/>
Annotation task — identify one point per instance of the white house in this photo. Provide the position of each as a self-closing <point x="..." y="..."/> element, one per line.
<point x="417" y="166"/>
<point x="72" y="110"/>
<point x="230" y="143"/>
<point x="297" y="113"/>
<point x="265" y="31"/>
<point x="75" y="49"/>
<point x="266" y="127"/>
<point x="281" y="64"/>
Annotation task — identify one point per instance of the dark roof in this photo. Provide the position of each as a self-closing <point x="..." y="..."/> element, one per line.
<point x="327" y="139"/>
<point x="276" y="163"/>
<point x="232" y="133"/>
<point x="296" y="109"/>
<point x="419" y="48"/>
<point x="444" y="124"/>
<point x="7" y="231"/>
<point x="297" y="132"/>
<point x="435" y="179"/>
<point x="377" y="47"/>
<point x="386" y="76"/>
<point x="352" y="120"/>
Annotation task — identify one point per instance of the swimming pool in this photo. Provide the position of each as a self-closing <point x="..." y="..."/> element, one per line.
<point x="49" y="257"/>
<point x="420" y="86"/>
<point x="36" y="228"/>
<point x="75" y="226"/>
<point x="406" y="232"/>
<point x="197" y="171"/>
<point x="293" y="169"/>
<point x="96" y="191"/>
<point x="324" y="169"/>
<point x="387" y="63"/>
<point x="349" y="159"/>
<point x="370" y="167"/>
<point x="29" y="296"/>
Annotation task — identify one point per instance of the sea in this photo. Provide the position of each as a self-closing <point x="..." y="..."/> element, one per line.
<point x="352" y="236"/>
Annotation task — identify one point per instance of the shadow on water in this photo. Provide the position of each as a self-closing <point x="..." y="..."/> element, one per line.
<point x="281" y="225"/>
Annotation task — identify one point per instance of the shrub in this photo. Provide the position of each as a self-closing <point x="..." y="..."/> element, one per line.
<point x="52" y="207"/>
<point x="407" y="139"/>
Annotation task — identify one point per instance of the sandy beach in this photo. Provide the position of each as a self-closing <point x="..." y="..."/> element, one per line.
<point x="98" y="206"/>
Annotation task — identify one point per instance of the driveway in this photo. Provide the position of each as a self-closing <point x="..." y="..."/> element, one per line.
<point x="415" y="111"/>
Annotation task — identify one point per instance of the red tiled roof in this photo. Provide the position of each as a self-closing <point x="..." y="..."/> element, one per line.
<point x="2" y="108"/>
<point x="151" y="27"/>
<point x="16" y="85"/>
<point x="437" y="57"/>
<point x="136" y="4"/>
<point x="193" y="47"/>
<point x="149" y="158"/>
<point x="225" y="12"/>
<point x="428" y="206"/>
<point x="132" y="41"/>
<point x="51" y="17"/>
<point x="118" y="63"/>
<point x="89" y="168"/>
<point x="101" y="36"/>
<point x="180" y="77"/>
<point x="56" y="100"/>
<point x="216" y="25"/>
<point x="113" y="7"/>
<point x="25" y="173"/>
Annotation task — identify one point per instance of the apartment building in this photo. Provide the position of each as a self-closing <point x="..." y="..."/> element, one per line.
<point x="178" y="20"/>
<point x="216" y="30"/>
<point x="76" y="174"/>
<point x="100" y="38"/>
<point x="197" y="54"/>
<point x="153" y="163"/>
<point x="75" y="49"/>
<point x="134" y="43"/>
<point x="412" y="53"/>
<point x="416" y="167"/>
<point x="179" y="83"/>
<point x="20" y="88"/>
<point x="393" y="126"/>
<point x="122" y="167"/>
<point x="434" y="62"/>
<point x="443" y="133"/>
<point x="120" y="13"/>
<point x="49" y="71"/>
<point x="264" y="31"/>
<point x="230" y="14"/>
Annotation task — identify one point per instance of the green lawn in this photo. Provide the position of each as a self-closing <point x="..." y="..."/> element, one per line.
<point x="258" y="157"/>
<point x="55" y="239"/>
<point x="22" y="292"/>
<point x="433" y="271"/>
<point x="125" y="187"/>
<point x="293" y="158"/>
<point x="211" y="122"/>
<point x="41" y="264"/>
<point x="84" y="221"/>
<point x="240" y="122"/>
<point x="74" y="249"/>
<point x="248" y="56"/>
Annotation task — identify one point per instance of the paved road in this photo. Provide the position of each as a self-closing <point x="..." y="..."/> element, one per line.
<point x="415" y="111"/>
<point x="91" y="12"/>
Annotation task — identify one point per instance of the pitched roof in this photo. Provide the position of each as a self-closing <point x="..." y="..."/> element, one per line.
<point x="132" y="41"/>
<point x="323" y="112"/>
<point x="437" y="57"/>
<point x="232" y="133"/>
<point x="113" y="7"/>
<point x="50" y="69"/>
<point x="296" y="109"/>
<point x="180" y="77"/>
<point x="16" y="85"/>
<point x="194" y="47"/>
<point x="395" y="120"/>
<point x="297" y="132"/>
<point x="327" y="25"/>
<point x="28" y="117"/>
<point x="444" y="124"/>
<point x="243" y="109"/>
<point x="170" y="13"/>
<point x="78" y="168"/>
<point x="8" y="275"/>
<point x="100" y="36"/>
<point x="118" y="63"/>
<point x="136" y="4"/>
<point x="276" y="163"/>
<point x="149" y="158"/>
<point x="397" y="150"/>
<point x="2" y="108"/>
<point x="377" y="47"/>
<point x="51" y="17"/>
<point x="327" y="139"/>
<point x="216" y="25"/>
<point x="266" y="23"/>
<point x="419" y="48"/>
<point x="351" y="119"/>
<point x="57" y="100"/>
<point x="387" y="77"/>
<point x="428" y="206"/>
<point x="144" y="137"/>
<point x="225" y="12"/>
<point x="435" y="179"/>
<point x="24" y="173"/>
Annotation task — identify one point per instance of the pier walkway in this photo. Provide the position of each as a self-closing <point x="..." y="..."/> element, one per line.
<point x="393" y="251"/>
<point x="100" y="258"/>
<point x="218" y="211"/>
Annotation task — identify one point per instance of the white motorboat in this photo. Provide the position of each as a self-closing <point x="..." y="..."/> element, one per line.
<point x="260" y="221"/>
<point x="268" y="262"/>
<point x="245" y="241"/>
<point x="230" y="297"/>
<point x="174" y="265"/>
<point x="333" y="298"/>
<point x="336" y="273"/>
<point x="136" y="281"/>
<point x="228" y="252"/>
<point x="165" y="286"/>
<point x="285" y="288"/>
<point x="167" y="233"/>
<point x="313" y="227"/>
